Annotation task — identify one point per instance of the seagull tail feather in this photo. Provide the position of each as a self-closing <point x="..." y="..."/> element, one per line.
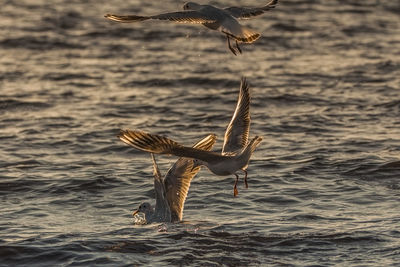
<point x="246" y="35"/>
<point x="249" y="35"/>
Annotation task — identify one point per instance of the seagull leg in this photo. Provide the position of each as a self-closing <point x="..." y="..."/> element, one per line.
<point x="229" y="45"/>
<point x="245" y="178"/>
<point x="235" y="191"/>
<point x="238" y="47"/>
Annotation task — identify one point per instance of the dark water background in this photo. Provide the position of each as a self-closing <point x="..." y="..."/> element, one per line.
<point x="324" y="183"/>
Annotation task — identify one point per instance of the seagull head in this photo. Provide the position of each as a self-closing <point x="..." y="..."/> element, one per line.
<point x="191" y="6"/>
<point x="145" y="208"/>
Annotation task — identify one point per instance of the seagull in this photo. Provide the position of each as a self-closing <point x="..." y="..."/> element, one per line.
<point x="171" y="191"/>
<point x="224" y="20"/>
<point x="236" y="150"/>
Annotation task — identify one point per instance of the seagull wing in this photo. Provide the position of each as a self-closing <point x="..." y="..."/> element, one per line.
<point x="127" y="18"/>
<point x="246" y="13"/>
<point x="162" y="210"/>
<point x="161" y="145"/>
<point x="237" y="132"/>
<point x="179" y="176"/>
<point x="190" y="16"/>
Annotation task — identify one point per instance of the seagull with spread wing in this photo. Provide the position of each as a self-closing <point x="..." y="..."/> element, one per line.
<point x="224" y="20"/>
<point x="236" y="151"/>
<point x="172" y="189"/>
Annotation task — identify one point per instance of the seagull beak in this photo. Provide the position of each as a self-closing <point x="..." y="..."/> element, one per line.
<point x="135" y="212"/>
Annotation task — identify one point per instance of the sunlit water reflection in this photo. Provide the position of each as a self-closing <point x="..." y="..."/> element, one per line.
<point x="323" y="185"/>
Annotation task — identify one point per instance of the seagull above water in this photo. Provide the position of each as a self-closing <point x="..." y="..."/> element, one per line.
<point x="224" y="20"/>
<point x="171" y="191"/>
<point x="236" y="151"/>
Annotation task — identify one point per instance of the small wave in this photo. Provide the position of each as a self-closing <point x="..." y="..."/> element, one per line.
<point x="390" y="104"/>
<point x="12" y="105"/>
<point x="361" y="29"/>
<point x="38" y="43"/>
<point x="55" y="76"/>
<point x="13" y="76"/>
<point x="376" y="171"/>
<point x="305" y="99"/>
<point x="131" y="247"/>
<point x="65" y="20"/>
<point x="204" y="82"/>
<point x="95" y="184"/>
<point x="306" y="217"/>
<point x="36" y="254"/>
<point x="288" y="26"/>
<point x="22" y="185"/>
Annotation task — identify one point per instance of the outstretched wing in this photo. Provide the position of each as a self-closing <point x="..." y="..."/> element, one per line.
<point x="127" y="18"/>
<point x="237" y="132"/>
<point x="162" y="145"/>
<point x="162" y="210"/>
<point x="179" y="176"/>
<point x="190" y="16"/>
<point x="246" y="13"/>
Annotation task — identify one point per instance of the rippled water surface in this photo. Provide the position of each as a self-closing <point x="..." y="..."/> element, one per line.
<point x="324" y="185"/>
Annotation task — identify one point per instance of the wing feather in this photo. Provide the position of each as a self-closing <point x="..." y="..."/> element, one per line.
<point x="162" y="210"/>
<point x="127" y="18"/>
<point x="191" y="16"/>
<point x="237" y="132"/>
<point x="247" y="13"/>
<point x="179" y="176"/>
<point x="161" y="145"/>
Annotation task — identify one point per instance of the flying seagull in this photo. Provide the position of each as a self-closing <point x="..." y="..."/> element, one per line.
<point x="224" y="20"/>
<point x="171" y="191"/>
<point x="236" y="151"/>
